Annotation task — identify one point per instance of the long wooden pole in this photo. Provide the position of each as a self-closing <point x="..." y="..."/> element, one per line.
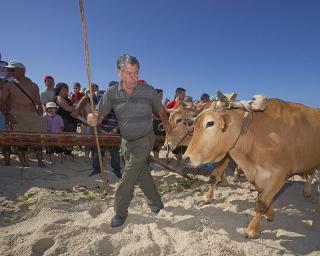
<point x="84" y="29"/>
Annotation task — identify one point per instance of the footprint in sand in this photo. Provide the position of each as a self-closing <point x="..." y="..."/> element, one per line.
<point x="41" y="246"/>
<point x="95" y="210"/>
<point x="62" y="221"/>
<point x="54" y="226"/>
<point x="104" y="246"/>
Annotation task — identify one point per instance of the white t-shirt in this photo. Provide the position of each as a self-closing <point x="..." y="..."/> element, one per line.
<point x="47" y="96"/>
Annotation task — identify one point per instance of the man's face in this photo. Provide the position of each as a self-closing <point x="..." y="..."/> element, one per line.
<point x="205" y="100"/>
<point x="160" y="95"/>
<point x="16" y="72"/>
<point x="49" y="83"/>
<point x="181" y="95"/>
<point x="129" y="75"/>
<point x="76" y="88"/>
<point x="94" y="88"/>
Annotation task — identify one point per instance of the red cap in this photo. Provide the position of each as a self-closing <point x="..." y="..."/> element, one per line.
<point x="141" y="82"/>
<point x="48" y="77"/>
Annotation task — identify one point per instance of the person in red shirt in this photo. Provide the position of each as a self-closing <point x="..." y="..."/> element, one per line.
<point x="77" y="95"/>
<point x="179" y="95"/>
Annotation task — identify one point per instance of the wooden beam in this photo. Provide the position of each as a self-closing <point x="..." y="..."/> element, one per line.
<point x="16" y="138"/>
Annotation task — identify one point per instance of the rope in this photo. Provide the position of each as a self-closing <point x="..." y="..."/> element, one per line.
<point x="83" y="22"/>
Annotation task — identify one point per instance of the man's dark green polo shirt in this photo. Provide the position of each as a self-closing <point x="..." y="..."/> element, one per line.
<point x="133" y="112"/>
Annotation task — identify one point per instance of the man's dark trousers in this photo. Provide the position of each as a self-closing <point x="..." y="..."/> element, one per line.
<point x="136" y="171"/>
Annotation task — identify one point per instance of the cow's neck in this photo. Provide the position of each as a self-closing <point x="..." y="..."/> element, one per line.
<point x="246" y="121"/>
<point x="237" y="151"/>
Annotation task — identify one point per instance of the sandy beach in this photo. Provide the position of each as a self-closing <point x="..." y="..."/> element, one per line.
<point x="59" y="210"/>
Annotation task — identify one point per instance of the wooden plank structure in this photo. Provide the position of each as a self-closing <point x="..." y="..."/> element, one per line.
<point x="21" y="138"/>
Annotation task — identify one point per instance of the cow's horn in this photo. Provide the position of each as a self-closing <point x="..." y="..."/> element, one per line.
<point x="188" y="105"/>
<point x="222" y="97"/>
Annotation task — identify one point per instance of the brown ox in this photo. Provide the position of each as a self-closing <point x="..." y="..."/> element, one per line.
<point x="269" y="146"/>
<point x="181" y="119"/>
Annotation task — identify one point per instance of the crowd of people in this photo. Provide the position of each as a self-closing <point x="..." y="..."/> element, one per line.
<point x="56" y="110"/>
<point x="130" y="108"/>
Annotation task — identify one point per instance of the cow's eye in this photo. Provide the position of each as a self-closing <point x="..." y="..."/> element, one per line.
<point x="178" y="120"/>
<point x="209" y="124"/>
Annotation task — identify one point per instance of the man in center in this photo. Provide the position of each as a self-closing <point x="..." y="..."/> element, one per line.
<point x="133" y="104"/>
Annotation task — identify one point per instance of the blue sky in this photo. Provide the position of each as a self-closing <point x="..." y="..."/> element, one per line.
<point x="269" y="47"/>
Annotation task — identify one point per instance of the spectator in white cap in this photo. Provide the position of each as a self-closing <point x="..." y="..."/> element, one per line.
<point x="23" y="107"/>
<point x="15" y="64"/>
<point x="54" y="124"/>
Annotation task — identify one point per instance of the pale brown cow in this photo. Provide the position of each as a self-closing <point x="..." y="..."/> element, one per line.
<point x="181" y="119"/>
<point x="269" y="146"/>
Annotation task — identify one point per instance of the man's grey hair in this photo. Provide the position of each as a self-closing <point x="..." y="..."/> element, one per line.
<point x="126" y="59"/>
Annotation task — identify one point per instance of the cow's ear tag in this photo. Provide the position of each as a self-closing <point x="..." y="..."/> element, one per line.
<point x="223" y="122"/>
